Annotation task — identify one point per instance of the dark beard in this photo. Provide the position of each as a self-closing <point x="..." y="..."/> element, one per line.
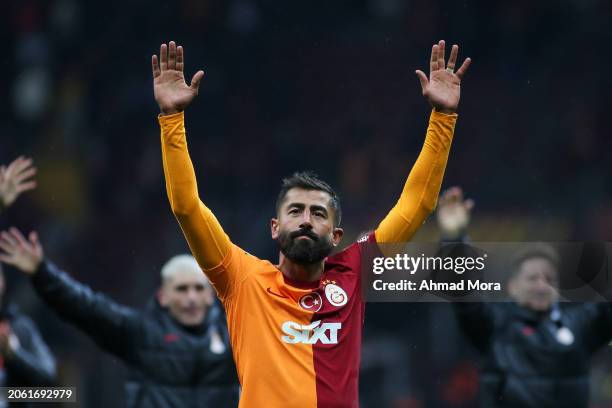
<point x="304" y="251"/>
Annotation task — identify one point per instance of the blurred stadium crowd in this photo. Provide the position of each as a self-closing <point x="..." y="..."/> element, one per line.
<point x="328" y="86"/>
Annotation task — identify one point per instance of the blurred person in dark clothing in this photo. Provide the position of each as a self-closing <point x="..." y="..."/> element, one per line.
<point x="536" y="352"/>
<point x="25" y="359"/>
<point x="15" y="179"/>
<point x="177" y="350"/>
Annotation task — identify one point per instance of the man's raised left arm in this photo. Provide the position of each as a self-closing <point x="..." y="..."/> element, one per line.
<point x="420" y="193"/>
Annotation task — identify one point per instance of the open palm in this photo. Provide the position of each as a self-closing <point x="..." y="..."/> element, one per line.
<point x="24" y="254"/>
<point x="453" y="212"/>
<point x="443" y="87"/>
<point x="171" y="91"/>
<point x="15" y="179"/>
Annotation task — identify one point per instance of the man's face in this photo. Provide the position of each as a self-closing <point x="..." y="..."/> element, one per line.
<point x="305" y="228"/>
<point x="535" y="284"/>
<point x="187" y="295"/>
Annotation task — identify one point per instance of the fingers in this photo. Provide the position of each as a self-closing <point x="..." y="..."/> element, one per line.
<point x="18" y="173"/>
<point x="7" y="242"/>
<point x="12" y="164"/>
<point x="443" y="199"/>
<point x="452" y="195"/>
<point x="195" y="81"/>
<point x="12" y="240"/>
<point x="18" y="236"/>
<point x="30" y="185"/>
<point x="441" y="46"/>
<point x="16" y="166"/>
<point x="37" y="247"/>
<point x="463" y="69"/>
<point x="422" y="79"/>
<point x="19" y="252"/>
<point x="19" y="164"/>
<point x="452" y="60"/>
<point x="455" y="194"/>
<point x="7" y="248"/>
<point x="13" y="243"/>
<point x="155" y="66"/>
<point x="437" y="59"/>
<point x="433" y="62"/>
<point x="24" y="174"/>
<point x="179" y="58"/>
<point x="163" y="55"/>
<point x="172" y="55"/>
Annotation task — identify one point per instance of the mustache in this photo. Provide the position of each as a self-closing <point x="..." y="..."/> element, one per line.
<point x="304" y="233"/>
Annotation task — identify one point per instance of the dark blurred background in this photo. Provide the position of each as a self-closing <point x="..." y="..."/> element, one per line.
<point x="321" y="85"/>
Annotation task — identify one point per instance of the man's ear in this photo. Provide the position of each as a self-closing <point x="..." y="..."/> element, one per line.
<point x="337" y="236"/>
<point x="274" y="228"/>
<point x="161" y="298"/>
<point x="209" y="296"/>
<point x="512" y="287"/>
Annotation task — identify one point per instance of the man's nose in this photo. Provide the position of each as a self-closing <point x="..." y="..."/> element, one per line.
<point x="192" y="294"/>
<point x="306" y="222"/>
<point x="542" y="284"/>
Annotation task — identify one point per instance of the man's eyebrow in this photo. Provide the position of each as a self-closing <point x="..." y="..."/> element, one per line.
<point x="318" y="207"/>
<point x="297" y="205"/>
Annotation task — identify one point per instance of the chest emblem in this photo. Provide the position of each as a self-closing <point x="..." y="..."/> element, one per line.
<point x="335" y="294"/>
<point x="565" y="336"/>
<point x="311" y="302"/>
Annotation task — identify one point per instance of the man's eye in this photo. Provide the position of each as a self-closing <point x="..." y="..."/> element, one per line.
<point x="293" y="211"/>
<point x="320" y="214"/>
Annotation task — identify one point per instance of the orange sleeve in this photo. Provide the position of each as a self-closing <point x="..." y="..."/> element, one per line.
<point x="420" y="194"/>
<point x="205" y="236"/>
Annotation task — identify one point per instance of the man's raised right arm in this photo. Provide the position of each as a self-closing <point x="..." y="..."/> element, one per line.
<point x="205" y="236"/>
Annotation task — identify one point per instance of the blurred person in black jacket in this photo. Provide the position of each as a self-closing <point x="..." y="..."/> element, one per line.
<point x="25" y="359"/>
<point x="177" y="350"/>
<point x="536" y="352"/>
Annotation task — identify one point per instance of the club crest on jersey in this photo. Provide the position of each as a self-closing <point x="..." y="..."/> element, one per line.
<point x="311" y="302"/>
<point x="335" y="294"/>
<point x="565" y="336"/>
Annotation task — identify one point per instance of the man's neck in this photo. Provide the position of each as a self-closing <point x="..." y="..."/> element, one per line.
<point x="299" y="272"/>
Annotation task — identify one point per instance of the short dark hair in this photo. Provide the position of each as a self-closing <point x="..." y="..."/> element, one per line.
<point x="308" y="180"/>
<point x="536" y="250"/>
